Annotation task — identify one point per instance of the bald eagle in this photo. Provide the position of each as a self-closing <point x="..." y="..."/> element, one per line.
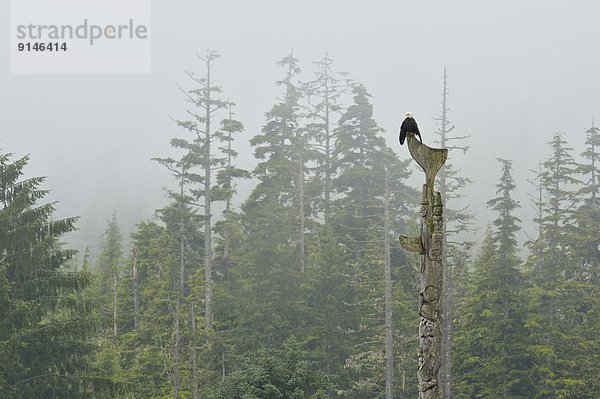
<point x="409" y="125"/>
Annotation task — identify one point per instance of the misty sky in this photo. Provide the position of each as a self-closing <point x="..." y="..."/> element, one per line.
<point x="518" y="72"/>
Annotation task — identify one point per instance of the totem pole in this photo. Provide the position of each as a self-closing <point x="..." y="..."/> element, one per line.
<point x="429" y="245"/>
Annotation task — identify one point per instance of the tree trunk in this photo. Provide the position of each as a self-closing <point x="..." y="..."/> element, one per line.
<point x="593" y="169"/>
<point x="301" y="210"/>
<point x="227" y="235"/>
<point x="115" y="313"/>
<point x="193" y="353"/>
<point x="180" y="293"/>
<point x="389" y="329"/>
<point x="223" y="366"/>
<point x="447" y="274"/>
<point x="208" y="313"/>
<point x="176" y="348"/>
<point x="136" y="302"/>
<point x="327" y="151"/>
<point x="136" y="306"/>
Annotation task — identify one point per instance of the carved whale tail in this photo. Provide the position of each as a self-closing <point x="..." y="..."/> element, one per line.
<point x="429" y="159"/>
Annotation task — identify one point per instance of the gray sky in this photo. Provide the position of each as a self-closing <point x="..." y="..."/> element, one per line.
<point x="518" y="72"/>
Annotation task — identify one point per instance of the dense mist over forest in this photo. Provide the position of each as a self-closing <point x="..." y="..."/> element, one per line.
<point x="228" y="223"/>
<point x="517" y="74"/>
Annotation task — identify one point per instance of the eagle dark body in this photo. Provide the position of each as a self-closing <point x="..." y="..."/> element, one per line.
<point x="409" y="125"/>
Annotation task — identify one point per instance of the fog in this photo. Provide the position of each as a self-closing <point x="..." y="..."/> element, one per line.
<point x="517" y="71"/>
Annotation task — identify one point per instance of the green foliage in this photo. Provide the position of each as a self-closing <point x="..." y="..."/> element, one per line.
<point x="282" y="373"/>
<point x="357" y="221"/>
<point x="137" y="330"/>
<point x="334" y="305"/>
<point x="591" y="168"/>
<point x="507" y="225"/>
<point x="278" y="147"/>
<point x="45" y="325"/>
<point x="559" y="178"/>
<point x="323" y="96"/>
<point x="562" y="301"/>
<point x="561" y="323"/>
<point x="110" y="259"/>
<point x="584" y="238"/>
<point x="491" y="341"/>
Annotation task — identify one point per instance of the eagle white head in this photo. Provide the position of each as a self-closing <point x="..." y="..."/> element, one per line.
<point x="408" y="115"/>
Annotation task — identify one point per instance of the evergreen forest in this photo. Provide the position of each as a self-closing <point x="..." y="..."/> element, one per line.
<point x="299" y="288"/>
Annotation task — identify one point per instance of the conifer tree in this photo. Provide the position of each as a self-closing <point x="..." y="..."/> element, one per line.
<point x="227" y="229"/>
<point x="507" y="224"/>
<point x="276" y="373"/>
<point x="591" y="169"/>
<point x="158" y="368"/>
<point x="323" y="96"/>
<point x="46" y="327"/>
<point x="181" y="218"/>
<point x="203" y="156"/>
<point x="270" y="260"/>
<point x="362" y="224"/>
<point x="586" y="232"/>
<point x="492" y="356"/>
<point x="109" y="268"/>
<point x="195" y="171"/>
<point x="557" y="321"/>
<point x="225" y="180"/>
<point x="559" y="181"/>
<point x="282" y="149"/>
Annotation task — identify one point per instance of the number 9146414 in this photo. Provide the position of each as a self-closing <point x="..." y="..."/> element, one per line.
<point x="36" y="46"/>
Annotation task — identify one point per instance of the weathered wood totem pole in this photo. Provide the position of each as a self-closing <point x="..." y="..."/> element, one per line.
<point x="429" y="245"/>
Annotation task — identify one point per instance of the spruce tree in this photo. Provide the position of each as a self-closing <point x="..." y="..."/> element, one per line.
<point x="585" y="235"/>
<point x="228" y="232"/>
<point x="271" y="258"/>
<point x="180" y="218"/>
<point x="557" y="321"/>
<point x="157" y="371"/>
<point x="46" y="326"/>
<point x="204" y="160"/>
<point x="278" y="202"/>
<point x="284" y="372"/>
<point x="365" y="166"/>
<point x="559" y="181"/>
<point x="323" y="97"/>
<point x="109" y="267"/>
<point x="110" y="272"/>
<point x="591" y="168"/>
<point x="492" y="358"/>
<point x="226" y="186"/>
<point x="204" y="173"/>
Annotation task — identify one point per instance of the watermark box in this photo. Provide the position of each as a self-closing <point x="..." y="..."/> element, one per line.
<point x="80" y="36"/>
